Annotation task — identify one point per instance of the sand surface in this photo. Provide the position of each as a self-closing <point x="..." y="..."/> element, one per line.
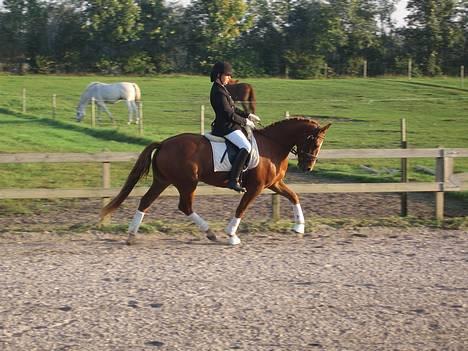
<point x="333" y="289"/>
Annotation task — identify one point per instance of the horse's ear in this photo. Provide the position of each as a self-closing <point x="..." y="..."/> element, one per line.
<point x="325" y="127"/>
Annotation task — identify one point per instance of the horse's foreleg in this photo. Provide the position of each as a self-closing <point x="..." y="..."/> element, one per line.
<point x="282" y="189"/>
<point x="152" y="194"/>
<point x="104" y="108"/>
<point x="231" y="228"/>
<point x="185" y="205"/>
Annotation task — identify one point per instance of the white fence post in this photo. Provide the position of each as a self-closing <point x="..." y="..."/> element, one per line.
<point x="24" y="101"/>
<point x="54" y="105"/>
<point x="140" y="123"/>
<point x="462" y="76"/>
<point x="410" y="64"/>
<point x="202" y="119"/>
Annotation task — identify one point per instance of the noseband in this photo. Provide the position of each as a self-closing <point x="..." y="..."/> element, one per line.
<point x="303" y="151"/>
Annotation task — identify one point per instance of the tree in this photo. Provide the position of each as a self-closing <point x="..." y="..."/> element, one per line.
<point x="358" y="31"/>
<point x="312" y="34"/>
<point x="13" y="29"/>
<point x="213" y="26"/>
<point x="159" y="35"/>
<point x="431" y="32"/>
<point x="111" y="25"/>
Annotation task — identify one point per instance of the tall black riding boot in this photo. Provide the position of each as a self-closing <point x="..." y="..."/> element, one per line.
<point x="236" y="171"/>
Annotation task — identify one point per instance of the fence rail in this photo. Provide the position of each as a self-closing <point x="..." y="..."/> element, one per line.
<point x="445" y="180"/>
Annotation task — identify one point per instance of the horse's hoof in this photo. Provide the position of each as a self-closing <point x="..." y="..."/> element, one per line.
<point x="211" y="236"/>
<point x="130" y="240"/>
<point x="234" y="240"/>
<point x="299" y="228"/>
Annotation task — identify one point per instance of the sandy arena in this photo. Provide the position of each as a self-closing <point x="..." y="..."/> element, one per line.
<point x="371" y="288"/>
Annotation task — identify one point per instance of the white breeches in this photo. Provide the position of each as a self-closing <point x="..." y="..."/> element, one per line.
<point x="239" y="139"/>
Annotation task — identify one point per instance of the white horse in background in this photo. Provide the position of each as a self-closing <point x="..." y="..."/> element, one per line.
<point x="111" y="93"/>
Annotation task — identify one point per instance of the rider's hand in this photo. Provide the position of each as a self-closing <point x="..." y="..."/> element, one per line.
<point x="253" y="118"/>
<point x="250" y="124"/>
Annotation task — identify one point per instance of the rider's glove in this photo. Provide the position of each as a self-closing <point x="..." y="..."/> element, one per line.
<point x="253" y="118"/>
<point x="250" y="124"/>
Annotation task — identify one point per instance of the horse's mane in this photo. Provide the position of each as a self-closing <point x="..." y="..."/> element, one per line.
<point x="92" y="83"/>
<point x="288" y="120"/>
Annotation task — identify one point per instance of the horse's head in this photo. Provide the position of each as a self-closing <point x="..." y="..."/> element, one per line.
<point x="79" y="114"/>
<point x="309" y="148"/>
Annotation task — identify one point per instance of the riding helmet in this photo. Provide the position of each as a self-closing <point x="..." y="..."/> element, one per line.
<point x="220" y="68"/>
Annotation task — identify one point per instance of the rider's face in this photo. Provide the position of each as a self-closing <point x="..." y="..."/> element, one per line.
<point x="225" y="78"/>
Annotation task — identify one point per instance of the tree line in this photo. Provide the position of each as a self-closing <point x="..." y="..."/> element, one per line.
<point x="294" y="38"/>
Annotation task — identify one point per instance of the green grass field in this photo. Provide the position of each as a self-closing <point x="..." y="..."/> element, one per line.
<point x="365" y="113"/>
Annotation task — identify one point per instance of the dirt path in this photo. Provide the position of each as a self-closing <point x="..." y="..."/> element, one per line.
<point x="364" y="289"/>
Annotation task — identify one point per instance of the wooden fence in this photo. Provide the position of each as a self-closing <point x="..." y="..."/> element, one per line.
<point x="445" y="180"/>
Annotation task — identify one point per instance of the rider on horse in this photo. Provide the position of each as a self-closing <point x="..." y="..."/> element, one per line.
<point x="230" y="121"/>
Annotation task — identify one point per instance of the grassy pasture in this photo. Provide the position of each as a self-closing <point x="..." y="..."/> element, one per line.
<point x="365" y="113"/>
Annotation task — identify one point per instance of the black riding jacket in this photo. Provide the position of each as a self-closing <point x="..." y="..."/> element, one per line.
<point x="228" y="117"/>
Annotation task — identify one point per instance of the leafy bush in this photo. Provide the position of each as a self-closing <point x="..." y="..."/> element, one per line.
<point x="107" y="66"/>
<point x="139" y="64"/>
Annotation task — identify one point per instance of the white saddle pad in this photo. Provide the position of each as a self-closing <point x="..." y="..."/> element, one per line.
<point x="218" y="151"/>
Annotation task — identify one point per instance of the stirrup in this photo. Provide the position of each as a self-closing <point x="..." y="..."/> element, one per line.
<point x="234" y="185"/>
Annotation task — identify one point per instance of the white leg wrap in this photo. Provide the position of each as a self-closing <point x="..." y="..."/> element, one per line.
<point x="231" y="228"/>
<point x="298" y="219"/>
<point x="195" y="218"/>
<point x="136" y="221"/>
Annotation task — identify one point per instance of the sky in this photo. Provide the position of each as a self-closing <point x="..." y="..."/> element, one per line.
<point x="400" y="13"/>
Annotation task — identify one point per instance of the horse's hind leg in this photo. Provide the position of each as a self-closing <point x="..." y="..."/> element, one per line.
<point x="132" y="110"/>
<point x="284" y="190"/>
<point x="185" y="205"/>
<point x="152" y="194"/>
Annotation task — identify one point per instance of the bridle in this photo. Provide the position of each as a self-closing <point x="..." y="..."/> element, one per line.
<point x="303" y="153"/>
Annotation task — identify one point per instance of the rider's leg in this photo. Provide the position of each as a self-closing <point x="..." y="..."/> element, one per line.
<point x="240" y="140"/>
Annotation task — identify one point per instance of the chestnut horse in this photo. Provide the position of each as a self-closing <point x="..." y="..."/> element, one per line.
<point x="185" y="159"/>
<point x="243" y="93"/>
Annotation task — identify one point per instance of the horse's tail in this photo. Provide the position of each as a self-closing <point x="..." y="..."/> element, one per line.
<point x="137" y="92"/>
<point x="253" y="101"/>
<point x="139" y="170"/>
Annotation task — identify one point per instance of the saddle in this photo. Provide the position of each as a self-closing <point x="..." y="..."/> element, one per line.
<point x="225" y="152"/>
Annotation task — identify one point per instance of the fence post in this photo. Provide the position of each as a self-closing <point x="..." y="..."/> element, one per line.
<point x="286" y="114"/>
<point x="106" y="183"/>
<point x="140" y="118"/>
<point x="410" y="63"/>
<point x="365" y="69"/>
<point x="54" y="105"/>
<point x="462" y="76"/>
<point x="275" y="207"/>
<point x="440" y="177"/>
<point x="93" y="112"/>
<point x="326" y="71"/>
<point x="202" y="119"/>
<point x="404" y="170"/>
<point x="24" y="101"/>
